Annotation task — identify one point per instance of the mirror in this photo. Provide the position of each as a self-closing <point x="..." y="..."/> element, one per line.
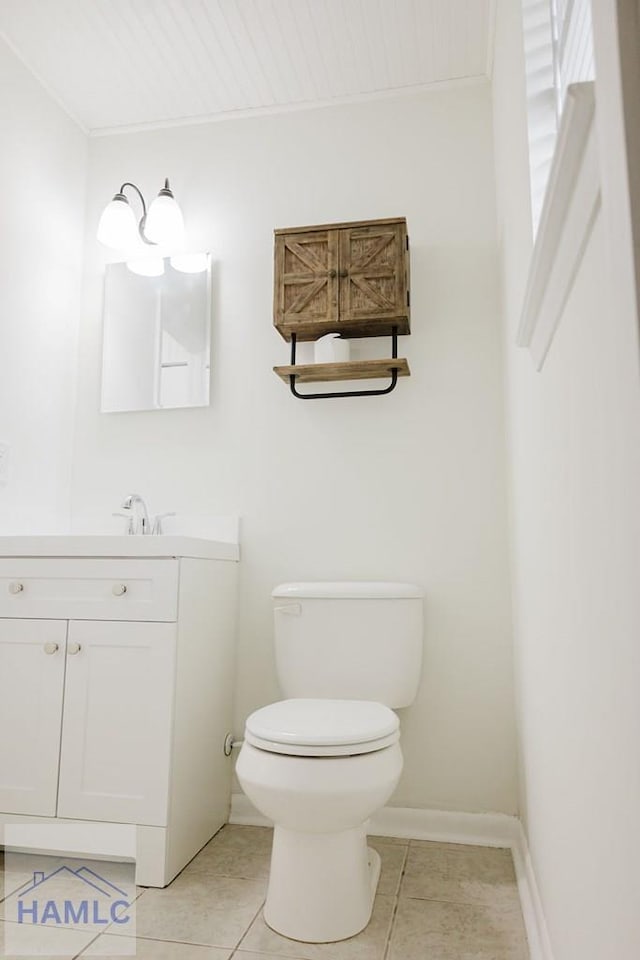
<point x="156" y="334"/>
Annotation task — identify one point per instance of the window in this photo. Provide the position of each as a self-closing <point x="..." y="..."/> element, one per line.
<point x="558" y="43"/>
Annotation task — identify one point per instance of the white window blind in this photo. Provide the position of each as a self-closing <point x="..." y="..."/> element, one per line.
<point x="558" y="44"/>
<point x="573" y="44"/>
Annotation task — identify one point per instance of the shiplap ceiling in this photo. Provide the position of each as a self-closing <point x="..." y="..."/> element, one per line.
<point x="121" y="63"/>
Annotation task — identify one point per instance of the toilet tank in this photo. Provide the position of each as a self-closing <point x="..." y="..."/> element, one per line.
<point x="349" y="640"/>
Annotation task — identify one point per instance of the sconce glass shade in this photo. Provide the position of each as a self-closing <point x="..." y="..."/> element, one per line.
<point x="164" y="223"/>
<point x="190" y="262"/>
<point x="147" y="266"/>
<point x="118" y="227"/>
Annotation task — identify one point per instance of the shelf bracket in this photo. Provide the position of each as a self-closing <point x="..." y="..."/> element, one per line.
<point x="346" y="393"/>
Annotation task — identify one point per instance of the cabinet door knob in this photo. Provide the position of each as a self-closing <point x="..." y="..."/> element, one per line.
<point x="119" y="589"/>
<point x="73" y="648"/>
<point x="332" y="273"/>
<point x="16" y="587"/>
<point x="344" y="273"/>
<point x="51" y="647"/>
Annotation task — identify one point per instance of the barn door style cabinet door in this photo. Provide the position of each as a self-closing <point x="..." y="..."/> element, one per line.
<point x="347" y="278"/>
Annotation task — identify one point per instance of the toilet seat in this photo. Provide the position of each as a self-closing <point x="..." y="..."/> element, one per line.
<point x="322" y="728"/>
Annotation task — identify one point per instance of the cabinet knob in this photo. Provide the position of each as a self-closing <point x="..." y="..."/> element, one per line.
<point x="73" y="648"/>
<point x="119" y="589"/>
<point x="15" y="587"/>
<point x="332" y="273"/>
<point x="51" y="648"/>
<point x="344" y="273"/>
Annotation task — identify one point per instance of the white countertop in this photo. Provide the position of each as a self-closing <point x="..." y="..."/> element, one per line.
<point x="118" y="546"/>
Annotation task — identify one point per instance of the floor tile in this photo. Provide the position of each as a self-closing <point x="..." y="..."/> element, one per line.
<point x="21" y="942"/>
<point x="214" y="911"/>
<point x="250" y="955"/>
<point x="7" y="886"/>
<point x="461" y="874"/>
<point x="108" y="946"/>
<point x="452" y="847"/>
<point x="456" y="931"/>
<point x="68" y="878"/>
<point x="368" y="945"/>
<point x="236" y="851"/>
<point x="456" y="902"/>
<point x="400" y="841"/>
<point x="393" y="857"/>
<point x="17" y="871"/>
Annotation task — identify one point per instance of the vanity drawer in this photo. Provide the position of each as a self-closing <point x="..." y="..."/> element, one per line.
<point x="94" y="589"/>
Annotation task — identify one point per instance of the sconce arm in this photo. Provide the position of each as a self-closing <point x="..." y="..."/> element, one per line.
<point x="143" y="219"/>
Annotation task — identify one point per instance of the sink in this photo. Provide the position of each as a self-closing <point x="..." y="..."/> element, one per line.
<point x="169" y="545"/>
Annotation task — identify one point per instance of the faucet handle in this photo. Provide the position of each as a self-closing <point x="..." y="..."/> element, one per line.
<point x="128" y="517"/>
<point x="157" y="522"/>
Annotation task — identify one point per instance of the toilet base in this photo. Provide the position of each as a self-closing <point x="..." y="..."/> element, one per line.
<point x="321" y="885"/>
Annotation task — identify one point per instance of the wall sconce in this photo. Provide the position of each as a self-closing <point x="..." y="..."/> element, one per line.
<point x="162" y="224"/>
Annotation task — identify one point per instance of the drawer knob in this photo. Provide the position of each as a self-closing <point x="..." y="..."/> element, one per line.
<point x="15" y="587"/>
<point x="119" y="589"/>
<point x="73" y="648"/>
<point x="51" y="648"/>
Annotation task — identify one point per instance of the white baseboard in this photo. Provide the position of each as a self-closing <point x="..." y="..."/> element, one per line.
<point x="479" y="829"/>
<point x="532" y="912"/>
<point x="482" y="829"/>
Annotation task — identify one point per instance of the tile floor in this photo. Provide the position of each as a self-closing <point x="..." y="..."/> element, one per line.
<point x="435" y="901"/>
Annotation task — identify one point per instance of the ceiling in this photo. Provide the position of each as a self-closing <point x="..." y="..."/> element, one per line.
<point x="123" y="63"/>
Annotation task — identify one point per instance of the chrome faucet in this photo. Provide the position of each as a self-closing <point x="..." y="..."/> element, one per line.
<point x="139" y="522"/>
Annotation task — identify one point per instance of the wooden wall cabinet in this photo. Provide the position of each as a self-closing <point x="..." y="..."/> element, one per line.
<point x="351" y="277"/>
<point x="348" y="278"/>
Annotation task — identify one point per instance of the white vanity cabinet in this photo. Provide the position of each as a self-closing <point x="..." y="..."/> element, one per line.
<point x="115" y="679"/>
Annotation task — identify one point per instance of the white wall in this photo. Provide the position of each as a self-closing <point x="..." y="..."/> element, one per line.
<point x="574" y="442"/>
<point x="409" y="486"/>
<point x="42" y="171"/>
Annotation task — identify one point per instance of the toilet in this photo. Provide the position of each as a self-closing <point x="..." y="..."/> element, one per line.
<point x="323" y="760"/>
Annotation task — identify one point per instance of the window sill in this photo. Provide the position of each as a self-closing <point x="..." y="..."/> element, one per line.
<point x="568" y="213"/>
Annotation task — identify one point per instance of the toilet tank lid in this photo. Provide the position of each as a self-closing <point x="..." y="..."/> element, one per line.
<point x="350" y="590"/>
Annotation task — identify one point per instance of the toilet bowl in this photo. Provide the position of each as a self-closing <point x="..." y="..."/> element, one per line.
<point x="319" y="769"/>
<point x="320" y="763"/>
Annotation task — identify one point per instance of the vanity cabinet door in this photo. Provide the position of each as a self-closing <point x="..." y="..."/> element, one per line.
<point x="32" y="660"/>
<point x="116" y="730"/>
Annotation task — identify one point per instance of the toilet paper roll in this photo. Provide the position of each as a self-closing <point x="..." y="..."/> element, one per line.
<point x="331" y="349"/>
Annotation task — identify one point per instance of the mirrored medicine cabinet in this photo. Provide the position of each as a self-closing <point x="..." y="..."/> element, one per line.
<point x="157" y="335"/>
